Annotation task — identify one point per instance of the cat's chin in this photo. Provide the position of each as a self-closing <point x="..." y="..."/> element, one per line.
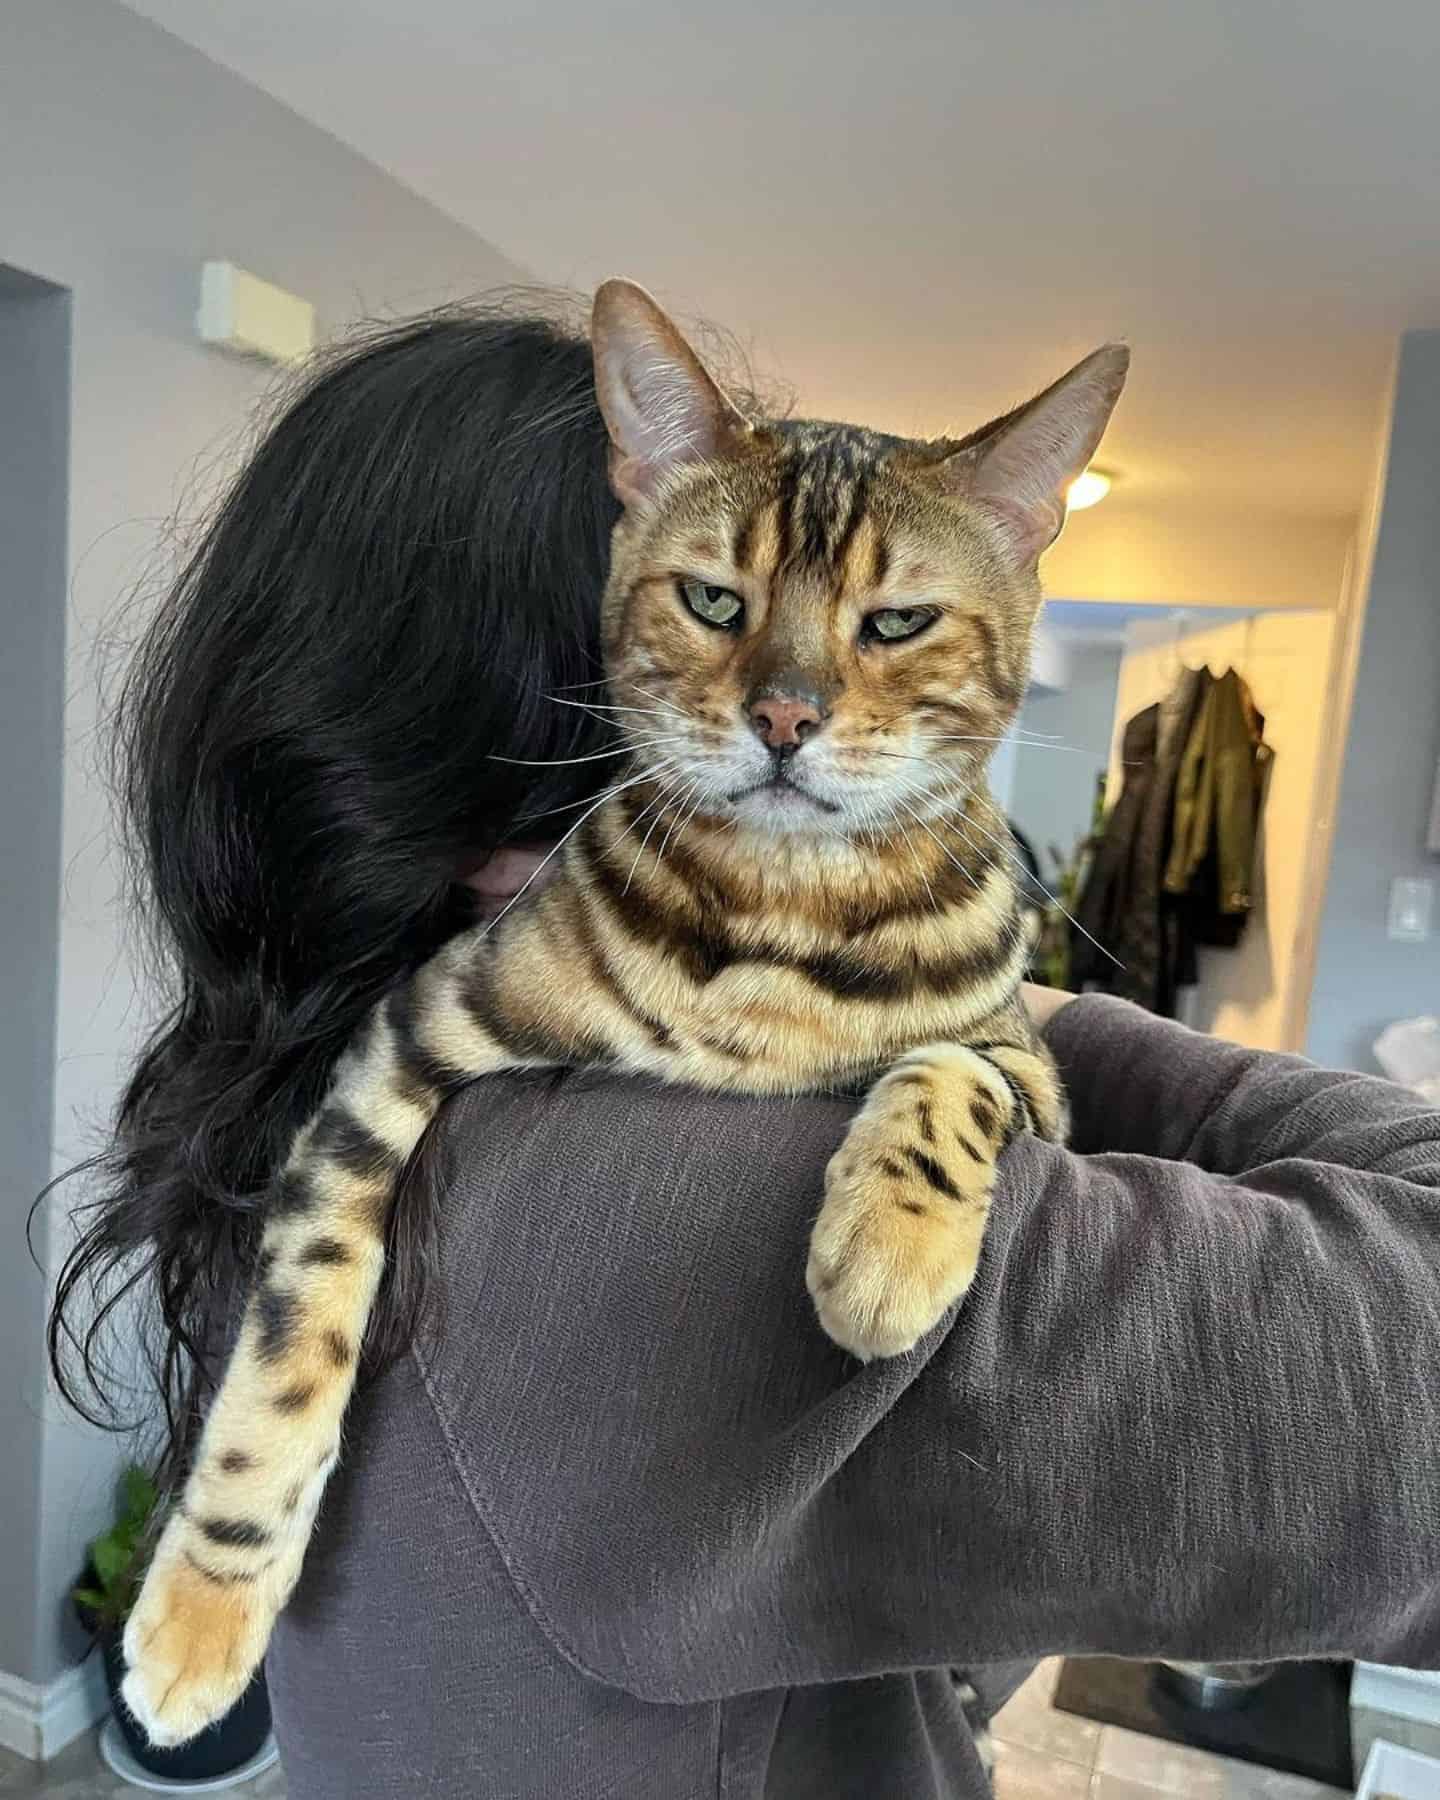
<point x="783" y="809"/>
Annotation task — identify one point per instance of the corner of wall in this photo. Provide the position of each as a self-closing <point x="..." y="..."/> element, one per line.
<point x="1339" y="703"/>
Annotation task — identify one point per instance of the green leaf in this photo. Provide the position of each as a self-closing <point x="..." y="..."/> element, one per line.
<point x="91" y="1597"/>
<point x="112" y="1556"/>
<point x="137" y="1496"/>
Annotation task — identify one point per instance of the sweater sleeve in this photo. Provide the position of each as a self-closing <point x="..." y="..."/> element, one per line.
<point x="1144" y="1084"/>
<point x="1188" y="1410"/>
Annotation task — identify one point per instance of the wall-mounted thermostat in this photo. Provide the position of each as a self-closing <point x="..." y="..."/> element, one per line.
<point x="240" y="312"/>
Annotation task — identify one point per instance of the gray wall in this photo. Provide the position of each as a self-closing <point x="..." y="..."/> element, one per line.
<point x="34" y="429"/>
<point x="1054" y="790"/>
<point x="126" y="160"/>
<point x="1362" y="979"/>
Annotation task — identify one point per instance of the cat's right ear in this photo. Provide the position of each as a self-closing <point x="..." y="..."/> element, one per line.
<point x="1020" y="468"/>
<point x="660" y="407"/>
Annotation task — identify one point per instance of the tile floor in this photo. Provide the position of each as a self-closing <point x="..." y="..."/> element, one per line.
<point x="79" y="1774"/>
<point x="1041" y="1754"/>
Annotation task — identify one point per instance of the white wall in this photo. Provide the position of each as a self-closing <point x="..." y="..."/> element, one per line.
<point x="1053" y="791"/>
<point x="1252" y="994"/>
<point x="1188" y="553"/>
<point x="1049" y="673"/>
<point x="126" y="161"/>
<point x="1364" y="980"/>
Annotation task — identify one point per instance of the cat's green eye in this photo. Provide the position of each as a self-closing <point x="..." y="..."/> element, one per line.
<point x="713" y="605"/>
<point x="895" y="622"/>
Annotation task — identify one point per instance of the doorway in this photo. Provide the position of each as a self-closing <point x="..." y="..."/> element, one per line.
<point x="1102" y="665"/>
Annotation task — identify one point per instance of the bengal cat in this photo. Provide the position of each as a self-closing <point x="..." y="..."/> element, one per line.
<point x="814" y="635"/>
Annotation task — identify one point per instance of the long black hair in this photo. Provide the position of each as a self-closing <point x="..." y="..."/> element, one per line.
<point x="402" y="582"/>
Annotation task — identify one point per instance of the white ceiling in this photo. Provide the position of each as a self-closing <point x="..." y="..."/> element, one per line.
<point x="917" y="213"/>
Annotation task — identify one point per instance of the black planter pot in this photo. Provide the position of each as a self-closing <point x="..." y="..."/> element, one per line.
<point x="229" y="1744"/>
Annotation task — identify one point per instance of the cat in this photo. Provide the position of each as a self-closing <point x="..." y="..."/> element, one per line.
<point x="813" y="637"/>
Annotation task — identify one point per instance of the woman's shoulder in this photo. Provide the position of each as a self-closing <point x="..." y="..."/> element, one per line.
<point x="605" y="1200"/>
<point x="568" y="1149"/>
<point x="623" y="1323"/>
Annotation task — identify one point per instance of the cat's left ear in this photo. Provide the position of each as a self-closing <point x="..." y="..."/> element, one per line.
<point x="1018" y="469"/>
<point x="660" y="407"/>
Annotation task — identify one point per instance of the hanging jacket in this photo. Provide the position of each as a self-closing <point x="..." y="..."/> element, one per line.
<point x="1107" y="888"/>
<point x="1211" y="866"/>
<point x="1122" y="902"/>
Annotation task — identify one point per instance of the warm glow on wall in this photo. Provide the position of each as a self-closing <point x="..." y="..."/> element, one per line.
<point x="1086" y="489"/>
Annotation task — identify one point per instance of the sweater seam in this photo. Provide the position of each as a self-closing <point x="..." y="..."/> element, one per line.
<point x="484" y="1514"/>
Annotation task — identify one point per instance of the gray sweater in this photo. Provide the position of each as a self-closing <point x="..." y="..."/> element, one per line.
<point x="625" y="1526"/>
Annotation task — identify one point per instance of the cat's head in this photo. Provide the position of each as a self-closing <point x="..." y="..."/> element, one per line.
<point x="820" y="629"/>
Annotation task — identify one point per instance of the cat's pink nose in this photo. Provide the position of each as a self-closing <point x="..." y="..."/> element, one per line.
<point x="784" y="723"/>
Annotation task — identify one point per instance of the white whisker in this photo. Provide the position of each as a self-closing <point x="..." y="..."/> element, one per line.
<point x="1054" y="900"/>
<point x="699" y="802"/>
<point x="944" y="809"/>
<point x="595" y="708"/>
<point x="646" y="742"/>
<point x="534" y="875"/>
<point x="659" y="700"/>
<point x="657" y="806"/>
<point x="664" y="842"/>
<point x="902" y="756"/>
<point x="1010" y="927"/>
<point x="1021" y="743"/>
<point x="645" y="775"/>
<point x="919" y="866"/>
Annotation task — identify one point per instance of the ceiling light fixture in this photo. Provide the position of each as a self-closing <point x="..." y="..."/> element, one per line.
<point x="1085" y="490"/>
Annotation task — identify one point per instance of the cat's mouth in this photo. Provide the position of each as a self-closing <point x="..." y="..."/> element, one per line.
<point x="780" y="789"/>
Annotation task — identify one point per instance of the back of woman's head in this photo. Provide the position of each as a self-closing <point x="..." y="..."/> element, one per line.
<point x="399" y="586"/>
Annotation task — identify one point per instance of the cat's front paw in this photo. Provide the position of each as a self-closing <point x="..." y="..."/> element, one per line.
<point x="907" y="1195"/>
<point x="191" y="1646"/>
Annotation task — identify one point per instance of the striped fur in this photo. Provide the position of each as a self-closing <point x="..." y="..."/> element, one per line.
<point x="730" y="915"/>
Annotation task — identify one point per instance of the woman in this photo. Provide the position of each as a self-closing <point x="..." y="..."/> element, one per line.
<point x="614" y="1517"/>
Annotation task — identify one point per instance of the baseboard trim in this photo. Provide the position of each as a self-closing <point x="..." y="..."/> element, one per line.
<point x="38" y="1722"/>
<point x="1407" y="1693"/>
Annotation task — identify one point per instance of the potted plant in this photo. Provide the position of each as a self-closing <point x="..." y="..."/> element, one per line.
<point x="103" y="1598"/>
<point x="1050" y="962"/>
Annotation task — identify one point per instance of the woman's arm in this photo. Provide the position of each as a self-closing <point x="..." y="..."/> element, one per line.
<point x="1145" y="1084"/>
<point x="1182" y="1413"/>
